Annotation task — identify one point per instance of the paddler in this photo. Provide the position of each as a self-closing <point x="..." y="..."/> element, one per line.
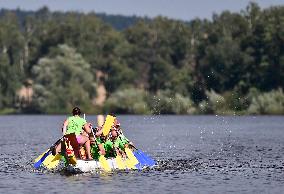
<point x="97" y="142"/>
<point x="123" y="141"/>
<point x="79" y="126"/>
<point x="112" y="145"/>
<point x="117" y="141"/>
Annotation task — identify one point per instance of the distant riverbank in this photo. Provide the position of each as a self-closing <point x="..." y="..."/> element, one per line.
<point x="140" y="102"/>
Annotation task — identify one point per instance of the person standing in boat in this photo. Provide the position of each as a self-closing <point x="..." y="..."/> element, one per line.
<point x="79" y="126"/>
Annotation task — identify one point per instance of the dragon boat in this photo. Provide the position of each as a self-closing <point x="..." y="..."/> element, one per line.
<point x="83" y="166"/>
<point x="74" y="159"/>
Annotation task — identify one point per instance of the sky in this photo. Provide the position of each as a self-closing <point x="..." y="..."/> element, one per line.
<point x="176" y="9"/>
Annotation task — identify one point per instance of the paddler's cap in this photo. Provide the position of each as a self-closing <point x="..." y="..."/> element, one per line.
<point x="76" y="111"/>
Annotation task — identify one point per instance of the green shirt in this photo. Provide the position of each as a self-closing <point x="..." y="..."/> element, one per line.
<point x="120" y="142"/>
<point x="108" y="145"/>
<point x="75" y="125"/>
<point x="110" y="152"/>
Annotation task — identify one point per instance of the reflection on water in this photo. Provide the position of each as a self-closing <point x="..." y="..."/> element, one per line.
<point x="195" y="154"/>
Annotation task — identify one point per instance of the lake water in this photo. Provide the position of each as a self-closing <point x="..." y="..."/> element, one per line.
<point x="195" y="154"/>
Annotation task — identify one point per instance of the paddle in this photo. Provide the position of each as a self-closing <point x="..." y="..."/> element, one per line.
<point x="119" y="162"/>
<point x="53" y="163"/>
<point x="149" y="161"/>
<point x="41" y="158"/>
<point x="129" y="164"/>
<point x="124" y="163"/>
<point x="108" y="124"/>
<point x="106" y="128"/>
<point x="131" y="160"/>
<point x="131" y="157"/>
<point x="47" y="154"/>
<point x="143" y="158"/>
<point x="104" y="163"/>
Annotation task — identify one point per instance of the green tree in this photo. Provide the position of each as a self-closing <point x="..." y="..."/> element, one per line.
<point x="267" y="103"/>
<point x="130" y="101"/>
<point x="63" y="79"/>
<point x="165" y="102"/>
<point x="11" y="63"/>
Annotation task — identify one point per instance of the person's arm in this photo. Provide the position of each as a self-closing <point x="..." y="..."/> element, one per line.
<point x="120" y="152"/>
<point x="87" y="128"/>
<point x="64" y="129"/>
<point x="117" y="151"/>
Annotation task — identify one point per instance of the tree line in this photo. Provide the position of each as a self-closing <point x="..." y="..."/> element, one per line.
<point x="230" y="64"/>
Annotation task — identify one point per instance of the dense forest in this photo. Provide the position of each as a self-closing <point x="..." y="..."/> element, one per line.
<point x="230" y="64"/>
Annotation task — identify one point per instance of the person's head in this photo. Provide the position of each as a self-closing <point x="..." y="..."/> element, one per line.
<point x="96" y="129"/>
<point x="76" y="111"/>
<point x="116" y="123"/>
<point x="113" y="134"/>
<point x="112" y="114"/>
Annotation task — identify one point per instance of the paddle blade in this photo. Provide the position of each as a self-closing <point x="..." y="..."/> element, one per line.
<point x="48" y="160"/>
<point x="149" y="161"/>
<point x="41" y="159"/>
<point x="131" y="157"/>
<point x="54" y="162"/>
<point x="119" y="162"/>
<point x="141" y="163"/>
<point x="129" y="164"/>
<point x="38" y="158"/>
<point x="104" y="164"/>
<point x="107" y="125"/>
